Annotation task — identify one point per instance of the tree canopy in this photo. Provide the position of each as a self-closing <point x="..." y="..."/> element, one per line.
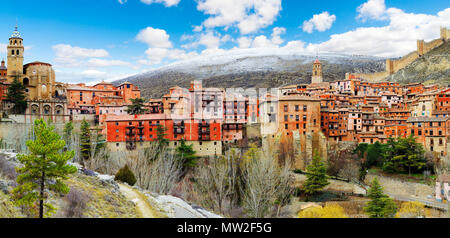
<point x="380" y="205"/>
<point x="316" y="176"/>
<point x="137" y="106"/>
<point x="44" y="167"/>
<point x="16" y="95"/>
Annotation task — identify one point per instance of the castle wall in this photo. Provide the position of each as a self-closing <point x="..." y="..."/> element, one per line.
<point x="393" y="66"/>
<point x="378" y="76"/>
<point x="445" y="33"/>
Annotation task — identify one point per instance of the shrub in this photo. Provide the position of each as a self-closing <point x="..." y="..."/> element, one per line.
<point x="126" y="175"/>
<point x="76" y="203"/>
<point x="411" y="210"/>
<point x="329" y="211"/>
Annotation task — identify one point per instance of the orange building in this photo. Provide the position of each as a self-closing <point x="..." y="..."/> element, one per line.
<point x="3" y="82"/>
<point x="135" y="131"/>
<point x="299" y="113"/>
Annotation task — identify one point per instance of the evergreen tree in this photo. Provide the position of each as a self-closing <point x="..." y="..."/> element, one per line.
<point x="160" y="137"/>
<point x="380" y="205"/>
<point x="187" y="154"/>
<point x="316" y="176"/>
<point x="137" y="107"/>
<point x="404" y="154"/>
<point x="67" y="135"/>
<point x="85" y="141"/>
<point x="45" y="167"/>
<point x="16" y="95"/>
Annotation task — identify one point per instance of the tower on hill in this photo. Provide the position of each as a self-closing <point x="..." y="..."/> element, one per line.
<point x="15" y="56"/>
<point x="317" y="72"/>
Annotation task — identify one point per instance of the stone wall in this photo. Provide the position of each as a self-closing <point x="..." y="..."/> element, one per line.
<point x="393" y="66"/>
<point x="303" y="146"/>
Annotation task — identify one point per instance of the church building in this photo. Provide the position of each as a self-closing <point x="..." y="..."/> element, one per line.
<point x="46" y="98"/>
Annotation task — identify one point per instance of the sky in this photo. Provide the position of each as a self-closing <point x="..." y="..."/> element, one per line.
<point x="91" y="41"/>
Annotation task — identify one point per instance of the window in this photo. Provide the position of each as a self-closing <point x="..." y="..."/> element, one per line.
<point x="286" y="126"/>
<point x="305" y="108"/>
<point x="285" y="108"/>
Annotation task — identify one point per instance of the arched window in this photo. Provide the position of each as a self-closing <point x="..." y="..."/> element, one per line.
<point x="26" y="81"/>
<point x="17" y="52"/>
<point x="12" y="52"/>
<point x="15" y="42"/>
<point x="59" y="110"/>
<point x="35" y="109"/>
<point x="47" y="109"/>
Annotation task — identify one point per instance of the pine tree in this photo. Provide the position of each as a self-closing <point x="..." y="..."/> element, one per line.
<point x="16" y="95"/>
<point x="67" y="135"/>
<point x="187" y="154"/>
<point x="85" y="141"/>
<point x="380" y="205"/>
<point x="316" y="176"/>
<point x="45" y="167"/>
<point x="160" y="135"/>
<point x="137" y="107"/>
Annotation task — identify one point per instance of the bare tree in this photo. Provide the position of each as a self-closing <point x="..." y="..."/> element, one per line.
<point x="350" y="171"/>
<point x="213" y="183"/>
<point x="165" y="172"/>
<point x="157" y="171"/>
<point x="265" y="183"/>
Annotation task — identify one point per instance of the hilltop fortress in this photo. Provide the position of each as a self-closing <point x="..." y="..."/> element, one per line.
<point x="393" y="66"/>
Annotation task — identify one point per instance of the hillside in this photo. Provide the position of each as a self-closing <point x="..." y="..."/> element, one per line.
<point x="263" y="71"/>
<point x="433" y="67"/>
<point x="94" y="195"/>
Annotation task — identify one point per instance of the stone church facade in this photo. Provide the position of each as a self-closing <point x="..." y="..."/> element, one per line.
<point x="46" y="98"/>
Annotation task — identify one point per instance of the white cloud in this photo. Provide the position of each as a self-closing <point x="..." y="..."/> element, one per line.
<point x="158" y="55"/>
<point x="63" y="50"/>
<point x="107" y="63"/>
<point x="93" y="73"/>
<point x="248" y="15"/>
<point x="73" y="56"/>
<point x="394" y="40"/>
<point x="3" y="48"/>
<point x="320" y="22"/>
<point x="167" y="3"/>
<point x="154" y="38"/>
<point x="262" y="41"/>
<point x="211" y="40"/>
<point x="372" y="9"/>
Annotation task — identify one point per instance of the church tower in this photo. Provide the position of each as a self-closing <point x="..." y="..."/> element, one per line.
<point x="15" y="56"/>
<point x="317" y="72"/>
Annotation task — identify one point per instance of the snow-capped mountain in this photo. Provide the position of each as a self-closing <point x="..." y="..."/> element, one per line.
<point x="251" y="69"/>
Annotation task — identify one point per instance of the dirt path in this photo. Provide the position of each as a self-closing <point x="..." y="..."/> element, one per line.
<point x="143" y="207"/>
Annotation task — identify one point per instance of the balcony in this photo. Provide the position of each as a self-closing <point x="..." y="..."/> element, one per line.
<point x="130" y="133"/>
<point x="204" y="124"/>
<point x="204" y="138"/>
<point x="204" y="131"/>
<point x="178" y="131"/>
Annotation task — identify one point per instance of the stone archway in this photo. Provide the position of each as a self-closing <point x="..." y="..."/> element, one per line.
<point x="47" y="109"/>
<point x="35" y="109"/>
<point x="59" y="110"/>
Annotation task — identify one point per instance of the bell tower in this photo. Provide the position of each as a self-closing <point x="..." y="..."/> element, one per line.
<point x="317" y="72"/>
<point x="15" y="56"/>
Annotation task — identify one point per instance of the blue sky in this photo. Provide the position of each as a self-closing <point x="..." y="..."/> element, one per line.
<point x="89" y="41"/>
